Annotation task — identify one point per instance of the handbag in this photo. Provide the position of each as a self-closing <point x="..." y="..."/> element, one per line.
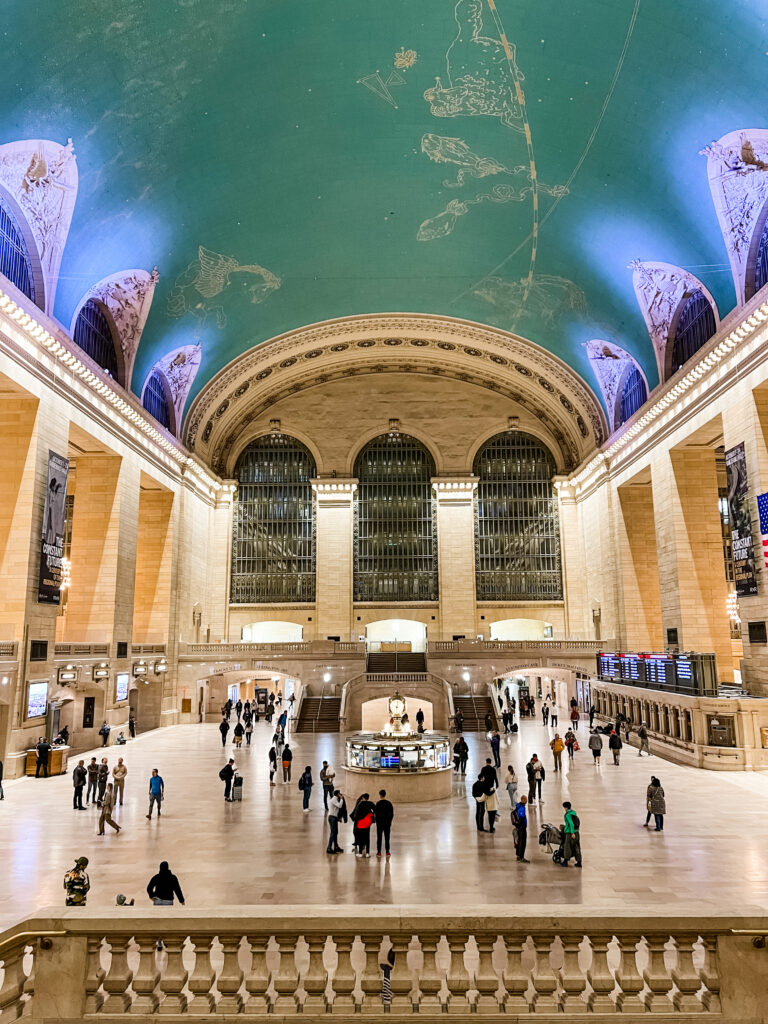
<point x="365" y="822"/>
<point x="576" y="745"/>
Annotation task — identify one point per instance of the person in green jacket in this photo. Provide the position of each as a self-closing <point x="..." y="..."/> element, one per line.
<point x="572" y="846"/>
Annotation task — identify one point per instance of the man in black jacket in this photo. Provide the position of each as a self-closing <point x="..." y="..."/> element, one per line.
<point x="43" y="751"/>
<point x="226" y="775"/>
<point x="489" y="776"/>
<point x="79" y="775"/>
<point x="385" y="812"/>
<point x="164" y="886"/>
<point x="479" y="792"/>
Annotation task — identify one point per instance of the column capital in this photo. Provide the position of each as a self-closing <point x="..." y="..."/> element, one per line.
<point x="458" y="487"/>
<point x="331" y="491"/>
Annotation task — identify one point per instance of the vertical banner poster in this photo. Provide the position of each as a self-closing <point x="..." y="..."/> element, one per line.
<point x="52" y="538"/>
<point x="741" y="521"/>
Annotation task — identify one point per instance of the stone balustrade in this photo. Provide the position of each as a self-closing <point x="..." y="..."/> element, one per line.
<point x="82" y="964"/>
<point x="545" y="646"/>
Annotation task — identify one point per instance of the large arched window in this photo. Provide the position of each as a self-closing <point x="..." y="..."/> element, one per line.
<point x="517" y="533"/>
<point x="633" y="395"/>
<point x="761" y="264"/>
<point x="395" y="544"/>
<point x="273" y="543"/>
<point x="94" y="336"/>
<point x="14" y="255"/>
<point x="695" y="326"/>
<point x="155" y="400"/>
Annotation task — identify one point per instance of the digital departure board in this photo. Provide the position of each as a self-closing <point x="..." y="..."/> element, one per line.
<point x="695" y="674"/>
<point x="632" y="668"/>
<point x="609" y="667"/>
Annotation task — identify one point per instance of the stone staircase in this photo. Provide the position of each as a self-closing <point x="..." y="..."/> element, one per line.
<point x="319" y="714"/>
<point x="474" y="708"/>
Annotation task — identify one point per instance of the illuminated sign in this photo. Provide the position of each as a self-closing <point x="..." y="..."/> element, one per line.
<point x="121" y="686"/>
<point x="37" y="699"/>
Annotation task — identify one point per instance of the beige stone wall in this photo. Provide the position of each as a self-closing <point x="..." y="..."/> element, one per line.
<point x="641" y="624"/>
<point x="154" y="562"/>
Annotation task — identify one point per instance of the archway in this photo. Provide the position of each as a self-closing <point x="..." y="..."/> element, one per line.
<point x="407" y="634"/>
<point x="521" y="629"/>
<point x="277" y="632"/>
<point x="375" y="713"/>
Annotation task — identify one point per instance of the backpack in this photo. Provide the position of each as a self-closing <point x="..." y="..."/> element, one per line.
<point x="575" y="820"/>
<point x="302" y="783"/>
<point x="223" y="774"/>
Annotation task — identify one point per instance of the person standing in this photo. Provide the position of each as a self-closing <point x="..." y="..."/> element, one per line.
<point x="287" y="757"/>
<point x="642" y="735"/>
<point x="553" y="715"/>
<point x="488" y="723"/>
<point x="571" y="827"/>
<point x="420" y="720"/>
<point x="595" y="744"/>
<point x="335" y="810"/>
<point x="520" y="822"/>
<point x="156" y="791"/>
<point x="104" y="733"/>
<point x="363" y="816"/>
<point x="461" y="755"/>
<point x="224" y="729"/>
<point x="132" y="726"/>
<point x="458" y="721"/>
<point x="384" y="813"/>
<point x="248" y="731"/>
<point x="107" y="806"/>
<point x="657" y="804"/>
<point x="327" y="775"/>
<point x="77" y="883"/>
<point x="479" y="793"/>
<point x="489" y="775"/>
<point x="118" y="778"/>
<point x="496" y="748"/>
<point x="164" y="886"/>
<point x="557" y="747"/>
<point x="2" y="794"/>
<point x="239" y="708"/>
<point x="570" y="743"/>
<point x="574" y="718"/>
<point x="614" y="745"/>
<point x="103" y="778"/>
<point x="226" y="775"/>
<point x="272" y="765"/>
<point x="43" y="752"/>
<point x="238" y="732"/>
<point x="492" y="808"/>
<point x="93" y="780"/>
<point x="79" y="776"/>
<point x="305" y="785"/>
<point x="545" y="713"/>
<point x="510" y="784"/>
<point x="278" y="742"/>
<point x="592" y="713"/>
<point x="536" y="775"/>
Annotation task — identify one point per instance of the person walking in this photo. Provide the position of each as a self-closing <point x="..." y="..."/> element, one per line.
<point x="132" y="726"/>
<point x="492" y="808"/>
<point x="118" y="778"/>
<point x="488" y="723"/>
<point x="305" y="785"/>
<point x="496" y="748"/>
<point x="224" y="729"/>
<point x="479" y="792"/>
<point x="592" y="713"/>
<point x="536" y="775"/>
<point x="238" y="732"/>
<point x="103" y="778"/>
<point x="642" y="735"/>
<point x="574" y="718"/>
<point x="93" y="780"/>
<point x="164" y="886"/>
<point x="557" y="746"/>
<point x="77" y="883"/>
<point x="460" y="755"/>
<point x="336" y="809"/>
<point x="553" y="714"/>
<point x="570" y="743"/>
<point x="545" y="713"/>
<point x="79" y="777"/>
<point x="614" y="745"/>
<point x="239" y="708"/>
<point x="571" y="827"/>
<point x="226" y="775"/>
<point x="156" y="791"/>
<point x="43" y="752"/>
<point x="656" y="803"/>
<point x="595" y="744"/>
<point x="327" y="775"/>
<point x="520" y="823"/>
<point x="510" y="784"/>
<point x="107" y="806"/>
<point x="384" y="814"/>
<point x="287" y="757"/>
<point x="458" y="721"/>
<point x="420" y="720"/>
<point x="363" y="816"/>
<point x="278" y="742"/>
<point x="272" y="766"/>
<point x="248" y="731"/>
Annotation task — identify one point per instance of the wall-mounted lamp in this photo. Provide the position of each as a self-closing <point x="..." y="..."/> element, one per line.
<point x="140" y="668"/>
<point x="161" y="667"/>
<point x="67" y="674"/>
<point x="100" y="671"/>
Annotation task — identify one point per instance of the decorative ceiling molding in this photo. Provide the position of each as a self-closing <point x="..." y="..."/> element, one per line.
<point x="737" y="167"/>
<point x="126" y="297"/>
<point x="179" y="368"/>
<point x="661" y="288"/>
<point x="611" y="365"/>
<point x="442" y="346"/>
<point x="41" y="178"/>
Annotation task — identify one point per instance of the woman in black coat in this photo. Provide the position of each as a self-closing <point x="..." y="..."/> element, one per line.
<point x="363" y="816"/>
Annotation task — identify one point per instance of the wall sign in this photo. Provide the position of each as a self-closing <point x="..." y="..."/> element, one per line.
<point x="52" y="536"/>
<point x="37" y="699"/>
<point x="121" y="686"/>
<point x="741" y="521"/>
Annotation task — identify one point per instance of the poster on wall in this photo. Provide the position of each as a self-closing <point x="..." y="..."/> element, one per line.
<point x="52" y="538"/>
<point x="37" y="699"/>
<point x="121" y="686"/>
<point x="741" y="521"/>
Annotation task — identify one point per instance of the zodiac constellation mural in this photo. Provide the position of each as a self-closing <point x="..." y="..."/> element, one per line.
<point x="211" y="275"/>
<point x="546" y="296"/>
<point x="381" y="86"/>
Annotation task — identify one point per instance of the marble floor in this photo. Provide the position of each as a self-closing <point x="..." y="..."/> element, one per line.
<point x="265" y="850"/>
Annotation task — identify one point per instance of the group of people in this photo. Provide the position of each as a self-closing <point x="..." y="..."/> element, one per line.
<point x="106" y="794"/>
<point x="163" y="887"/>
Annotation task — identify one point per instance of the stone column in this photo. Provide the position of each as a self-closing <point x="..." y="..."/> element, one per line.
<point x="334" y="594"/>
<point x="578" y="622"/>
<point x="456" y="555"/>
<point x="219" y="566"/>
<point x="154" y="556"/>
<point x="639" y="564"/>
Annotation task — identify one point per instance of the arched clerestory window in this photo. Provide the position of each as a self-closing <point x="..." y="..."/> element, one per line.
<point x="15" y="261"/>
<point x="517" y="530"/>
<point x="633" y="395"/>
<point x="695" y="326"/>
<point x="395" y="537"/>
<point x="155" y="399"/>
<point x="273" y="542"/>
<point x="93" y="335"/>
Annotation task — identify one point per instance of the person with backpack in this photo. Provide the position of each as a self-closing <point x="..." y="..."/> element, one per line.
<point x="305" y="785"/>
<point x="363" y="816"/>
<point x="642" y="735"/>
<point x="104" y="732"/>
<point x="595" y="744"/>
<point x="615" y="744"/>
<point x="238" y="732"/>
<point x="558" y="747"/>
<point x="226" y="775"/>
<point x="571" y="827"/>
<point x="520" y="829"/>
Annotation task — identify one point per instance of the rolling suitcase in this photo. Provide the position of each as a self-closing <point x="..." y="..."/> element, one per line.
<point x="237" y="788"/>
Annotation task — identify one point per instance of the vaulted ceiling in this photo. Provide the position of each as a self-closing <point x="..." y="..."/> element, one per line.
<point x="283" y="162"/>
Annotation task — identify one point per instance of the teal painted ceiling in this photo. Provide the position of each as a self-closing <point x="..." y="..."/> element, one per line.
<point x="288" y="161"/>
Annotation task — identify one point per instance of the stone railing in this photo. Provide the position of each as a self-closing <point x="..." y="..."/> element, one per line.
<point x="302" y="647"/>
<point x="83" y="964"/>
<point x="81" y="650"/>
<point x="540" y="646"/>
<point x="7" y="649"/>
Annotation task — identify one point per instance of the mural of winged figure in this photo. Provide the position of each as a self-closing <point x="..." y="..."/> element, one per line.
<point x="211" y="275"/>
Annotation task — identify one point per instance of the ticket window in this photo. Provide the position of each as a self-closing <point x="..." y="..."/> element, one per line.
<point x="722" y="730"/>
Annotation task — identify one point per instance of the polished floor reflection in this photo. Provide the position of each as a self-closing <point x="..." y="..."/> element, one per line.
<point x="264" y="850"/>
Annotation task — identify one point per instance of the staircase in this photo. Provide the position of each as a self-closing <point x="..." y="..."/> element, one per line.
<point x="319" y="714"/>
<point x="474" y="709"/>
<point x="389" y="662"/>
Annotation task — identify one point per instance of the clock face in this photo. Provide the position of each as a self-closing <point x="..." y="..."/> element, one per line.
<point x="397" y="705"/>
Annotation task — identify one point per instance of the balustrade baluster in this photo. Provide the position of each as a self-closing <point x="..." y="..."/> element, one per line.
<point x="371" y="978"/>
<point x="173" y="977"/>
<point x="599" y="975"/>
<point x="628" y="976"/>
<point x="657" y="978"/>
<point x="514" y="977"/>
<point x="257" y="981"/>
<point x="14" y="978"/>
<point x="118" y="978"/>
<point x="710" y="976"/>
<point x="316" y="978"/>
<point x="544" y="977"/>
<point x="430" y="976"/>
<point x="201" y="979"/>
<point x="146" y="978"/>
<point x="572" y="977"/>
<point x="286" y="980"/>
<point x="230" y="976"/>
<point x="343" y="983"/>
<point x="94" y="977"/>
<point x="486" y="978"/>
<point x="686" y="977"/>
<point x="457" y="978"/>
<point x="401" y="981"/>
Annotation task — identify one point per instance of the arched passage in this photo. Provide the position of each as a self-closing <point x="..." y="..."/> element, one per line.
<point x="407" y="634"/>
